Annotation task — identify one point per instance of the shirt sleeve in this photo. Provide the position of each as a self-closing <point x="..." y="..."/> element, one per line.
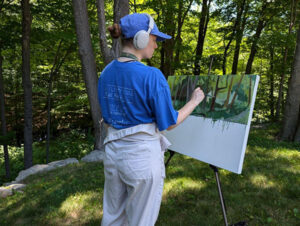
<point x="162" y="108"/>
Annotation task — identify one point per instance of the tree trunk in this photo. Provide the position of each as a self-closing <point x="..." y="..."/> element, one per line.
<point x="284" y="60"/>
<point x="3" y="120"/>
<point x="260" y="26"/>
<point x="107" y="54"/>
<point x="271" y="82"/>
<point x="168" y="46"/>
<point x="88" y="65"/>
<point x="121" y="8"/>
<point x="178" y="39"/>
<point x="27" y="85"/>
<point x="201" y="35"/>
<point x="297" y="135"/>
<point x="291" y="114"/>
<point x="236" y="29"/>
<point x="239" y="36"/>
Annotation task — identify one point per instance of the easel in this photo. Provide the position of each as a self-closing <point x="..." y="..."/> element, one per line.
<point x="216" y="171"/>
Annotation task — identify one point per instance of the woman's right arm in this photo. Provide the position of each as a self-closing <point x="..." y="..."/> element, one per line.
<point x="189" y="107"/>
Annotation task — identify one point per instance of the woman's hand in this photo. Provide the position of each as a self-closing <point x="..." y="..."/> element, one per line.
<point x="187" y="109"/>
<point x="197" y="96"/>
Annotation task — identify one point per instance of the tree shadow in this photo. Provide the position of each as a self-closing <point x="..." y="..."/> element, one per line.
<point x="46" y="193"/>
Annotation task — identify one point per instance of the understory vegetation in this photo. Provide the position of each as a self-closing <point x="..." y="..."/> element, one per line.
<point x="266" y="193"/>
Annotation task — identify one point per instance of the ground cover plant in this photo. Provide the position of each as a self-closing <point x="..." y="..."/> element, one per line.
<point x="266" y="193"/>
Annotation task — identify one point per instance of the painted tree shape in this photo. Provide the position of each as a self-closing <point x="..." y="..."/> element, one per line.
<point x="228" y="92"/>
<point x="236" y="93"/>
<point x="217" y="90"/>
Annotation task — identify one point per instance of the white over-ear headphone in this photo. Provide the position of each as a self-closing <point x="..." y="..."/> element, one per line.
<point x="141" y="38"/>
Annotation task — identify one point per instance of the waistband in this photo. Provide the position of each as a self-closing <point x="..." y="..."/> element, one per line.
<point x="150" y="130"/>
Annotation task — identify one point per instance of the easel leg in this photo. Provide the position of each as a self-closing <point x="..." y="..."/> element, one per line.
<point x="215" y="169"/>
<point x="171" y="155"/>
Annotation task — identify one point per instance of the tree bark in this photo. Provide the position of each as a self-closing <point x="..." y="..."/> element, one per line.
<point x="27" y="85"/>
<point x="106" y="52"/>
<point x="88" y="66"/>
<point x="239" y="37"/>
<point x="3" y="120"/>
<point x="201" y="35"/>
<point x="291" y="114"/>
<point x="235" y="31"/>
<point x="168" y="46"/>
<point x="271" y="82"/>
<point x="297" y="135"/>
<point x="285" y="56"/>
<point x="121" y="8"/>
<point x="260" y="26"/>
<point x="178" y="38"/>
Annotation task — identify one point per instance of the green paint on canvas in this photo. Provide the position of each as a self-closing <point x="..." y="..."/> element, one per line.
<point x="227" y="97"/>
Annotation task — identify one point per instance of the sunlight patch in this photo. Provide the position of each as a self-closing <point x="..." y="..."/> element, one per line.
<point x="78" y="206"/>
<point x="183" y="183"/>
<point x="262" y="181"/>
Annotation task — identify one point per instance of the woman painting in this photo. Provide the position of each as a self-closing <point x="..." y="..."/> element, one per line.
<point x="136" y="105"/>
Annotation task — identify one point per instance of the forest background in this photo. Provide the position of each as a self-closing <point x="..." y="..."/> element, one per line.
<point x="52" y="52"/>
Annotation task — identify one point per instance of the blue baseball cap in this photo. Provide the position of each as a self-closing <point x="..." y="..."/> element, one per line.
<point x="132" y="23"/>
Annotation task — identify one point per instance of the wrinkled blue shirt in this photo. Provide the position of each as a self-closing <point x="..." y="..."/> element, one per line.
<point x="131" y="93"/>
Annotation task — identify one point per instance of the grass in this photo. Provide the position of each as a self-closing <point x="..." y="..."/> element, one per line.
<point x="70" y="144"/>
<point x="266" y="193"/>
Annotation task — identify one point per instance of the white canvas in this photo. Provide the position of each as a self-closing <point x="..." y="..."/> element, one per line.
<point x="217" y="142"/>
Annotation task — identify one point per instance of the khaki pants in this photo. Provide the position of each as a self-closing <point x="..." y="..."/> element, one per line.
<point x="134" y="175"/>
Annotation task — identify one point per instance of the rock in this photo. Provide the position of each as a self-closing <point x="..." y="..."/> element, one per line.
<point x="32" y="170"/>
<point x="10" y="183"/>
<point x="61" y="163"/>
<point x="94" y="156"/>
<point x="17" y="187"/>
<point x="5" y="191"/>
<point x="44" y="167"/>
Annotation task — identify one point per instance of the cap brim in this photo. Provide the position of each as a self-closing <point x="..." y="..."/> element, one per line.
<point x="161" y="36"/>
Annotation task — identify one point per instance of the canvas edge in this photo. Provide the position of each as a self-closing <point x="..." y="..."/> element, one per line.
<point x="248" y="124"/>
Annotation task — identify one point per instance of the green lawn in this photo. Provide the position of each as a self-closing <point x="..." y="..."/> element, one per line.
<point x="266" y="193"/>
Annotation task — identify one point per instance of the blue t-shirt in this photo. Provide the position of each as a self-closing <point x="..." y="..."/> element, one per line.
<point x="131" y="93"/>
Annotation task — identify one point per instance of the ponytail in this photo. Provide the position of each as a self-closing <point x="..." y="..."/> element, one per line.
<point x="115" y="31"/>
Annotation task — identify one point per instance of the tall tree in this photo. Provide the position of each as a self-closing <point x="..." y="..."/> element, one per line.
<point x="88" y="63"/>
<point x="121" y="8"/>
<point x="233" y="31"/>
<point x="203" y="23"/>
<point x="168" y="19"/>
<point x="242" y="10"/>
<point x="182" y="13"/>
<point x="293" y="16"/>
<point x="262" y="22"/>
<point x="3" y="119"/>
<point x="291" y="120"/>
<point x="27" y="85"/>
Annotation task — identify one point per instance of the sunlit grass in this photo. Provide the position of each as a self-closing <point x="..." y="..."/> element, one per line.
<point x="266" y="193"/>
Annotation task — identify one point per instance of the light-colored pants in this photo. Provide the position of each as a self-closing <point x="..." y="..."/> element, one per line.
<point x="134" y="176"/>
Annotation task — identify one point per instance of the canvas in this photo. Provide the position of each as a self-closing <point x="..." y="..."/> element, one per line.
<point x="217" y="130"/>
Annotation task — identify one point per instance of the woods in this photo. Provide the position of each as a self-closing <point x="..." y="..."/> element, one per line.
<point x="51" y="54"/>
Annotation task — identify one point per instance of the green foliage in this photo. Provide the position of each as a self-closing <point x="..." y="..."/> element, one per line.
<point x="70" y="144"/>
<point x="8" y="139"/>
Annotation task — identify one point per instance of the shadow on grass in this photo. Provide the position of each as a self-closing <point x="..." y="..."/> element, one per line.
<point x="267" y="192"/>
<point x="57" y="198"/>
